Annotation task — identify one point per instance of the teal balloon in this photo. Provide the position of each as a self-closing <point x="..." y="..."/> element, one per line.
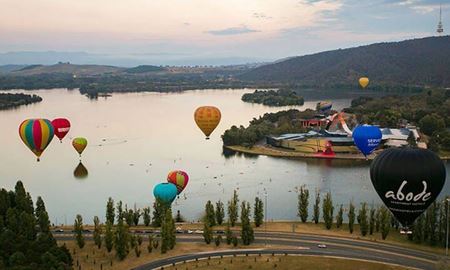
<point x="165" y="192"/>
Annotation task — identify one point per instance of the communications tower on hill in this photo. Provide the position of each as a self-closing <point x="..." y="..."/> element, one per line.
<point x="440" y="27"/>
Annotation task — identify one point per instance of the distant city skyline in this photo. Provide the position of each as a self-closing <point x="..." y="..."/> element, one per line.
<point x="202" y="32"/>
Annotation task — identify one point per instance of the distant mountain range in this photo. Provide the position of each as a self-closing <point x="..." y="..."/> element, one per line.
<point x="421" y="62"/>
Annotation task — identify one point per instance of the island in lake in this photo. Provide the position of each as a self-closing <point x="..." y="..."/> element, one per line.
<point x="8" y="100"/>
<point x="282" y="97"/>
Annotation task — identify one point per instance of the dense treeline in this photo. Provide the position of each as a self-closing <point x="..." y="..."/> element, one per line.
<point x="429" y="110"/>
<point x="269" y="124"/>
<point x="8" y="100"/>
<point x="429" y="228"/>
<point x="25" y="238"/>
<point x="282" y="97"/>
<point x="417" y="62"/>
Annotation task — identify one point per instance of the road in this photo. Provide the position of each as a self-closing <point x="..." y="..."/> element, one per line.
<point x="305" y="244"/>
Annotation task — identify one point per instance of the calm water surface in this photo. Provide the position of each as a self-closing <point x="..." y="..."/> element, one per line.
<point x="136" y="139"/>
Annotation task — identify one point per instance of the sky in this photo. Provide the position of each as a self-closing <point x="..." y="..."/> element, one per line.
<point x="196" y="31"/>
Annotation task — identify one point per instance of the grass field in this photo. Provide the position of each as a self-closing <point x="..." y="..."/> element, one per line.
<point x="92" y="258"/>
<point x="283" y="262"/>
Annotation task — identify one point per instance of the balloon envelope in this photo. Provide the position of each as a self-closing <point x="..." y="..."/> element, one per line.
<point x="165" y="192"/>
<point x="408" y="181"/>
<point x="364" y="82"/>
<point x="80" y="171"/>
<point x="324" y="106"/>
<point x="61" y="127"/>
<point x="207" y="119"/>
<point x="367" y="138"/>
<point x="179" y="178"/>
<point x="79" y="144"/>
<point x="36" y="134"/>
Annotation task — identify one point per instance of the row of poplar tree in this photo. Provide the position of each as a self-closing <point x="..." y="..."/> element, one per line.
<point x="115" y="234"/>
<point x="217" y="217"/>
<point x="429" y="228"/>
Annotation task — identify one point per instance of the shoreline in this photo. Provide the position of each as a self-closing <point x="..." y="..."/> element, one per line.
<point x="282" y="153"/>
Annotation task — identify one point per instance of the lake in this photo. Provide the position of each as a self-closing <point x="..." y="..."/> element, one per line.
<point x="135" y="139"/>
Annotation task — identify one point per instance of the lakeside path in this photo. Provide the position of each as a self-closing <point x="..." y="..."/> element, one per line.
<point x="285" y="153"/>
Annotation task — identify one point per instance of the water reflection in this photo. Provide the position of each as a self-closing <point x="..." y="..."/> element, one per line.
<point x="80" y="172"/>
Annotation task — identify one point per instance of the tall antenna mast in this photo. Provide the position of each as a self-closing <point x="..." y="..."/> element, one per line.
<point x="440" y="27"/>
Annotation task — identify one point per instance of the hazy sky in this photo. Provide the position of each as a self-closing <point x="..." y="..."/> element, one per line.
<point x="259" y="29"/>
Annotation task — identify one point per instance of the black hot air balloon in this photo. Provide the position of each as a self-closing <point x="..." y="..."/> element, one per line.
<point x="408" y="180"/>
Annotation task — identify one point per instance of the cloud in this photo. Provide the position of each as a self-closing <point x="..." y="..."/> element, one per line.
<point x="232" y="31"/>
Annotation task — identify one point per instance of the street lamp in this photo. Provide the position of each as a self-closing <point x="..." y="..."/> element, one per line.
<point x="446" y="240"/>
<point x="265" y="215"/>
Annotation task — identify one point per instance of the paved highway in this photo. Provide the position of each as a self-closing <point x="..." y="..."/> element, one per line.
<point x="305" y="244"/>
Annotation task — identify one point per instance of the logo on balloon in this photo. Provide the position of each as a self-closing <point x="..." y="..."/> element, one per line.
<point x="367" y="138"/>
<point x="399" y="196"/>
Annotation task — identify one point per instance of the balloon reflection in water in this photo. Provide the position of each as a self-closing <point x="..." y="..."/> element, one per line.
<point x="80" y="171"/>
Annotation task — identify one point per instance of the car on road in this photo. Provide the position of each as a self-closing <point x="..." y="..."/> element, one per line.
<point x="58" y="230"/>
<point x="189" y="231"/>
<point x="198" y="231"/>
<point x="220" y="232"/>
<point x="322" y="246"/>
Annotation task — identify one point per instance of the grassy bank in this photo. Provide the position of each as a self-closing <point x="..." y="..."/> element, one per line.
<point x="285" y="262"/>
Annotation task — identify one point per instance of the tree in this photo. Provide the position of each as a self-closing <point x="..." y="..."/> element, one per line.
<point x="158" y="213"/>
<point x="97" y="232"/>
<point x="210" y="214"/>
<point x="110" y="214"/>
<point x="42" y="216"/>
<point x="136" y="215"/>
<point x="218" y="240"/>
<point x="150" y="243"/>
<point x="146" y="216"/>
<point x="303" y="202"/>
<point x="372" y="220"/>
<point x="168" y="232"/>
<point x="78" y="228"/>
<point x="233" y="208"/>
<point x="316" y="208"/>
<point x="109" y="236"/>
<point x="377" y="219"/>
<point x="258" y="212"/>
<point x="207" y="232"/>
<point x="228" y="234"/>
<point x="179" y="217"/>
<point x="119" y="211"/>
<point x="340" y="216"/>
<point x="121" y="241"/>
<point x="385" y="222"/>
<point x="128" y="215"/>
<point x="247" y="234"/>
<point x="328" y="209"/>
<point x="431" y="123"/>
<point x="362" y="219"/>
<point x="418" y="235"/>
<point x="220" y="212"/>
<point x="431" y="223"/>
<point x="351" y="217"/>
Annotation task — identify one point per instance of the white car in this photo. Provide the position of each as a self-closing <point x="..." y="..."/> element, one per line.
<point x="190" y="232"/>
<point x="198" y="231"/>
<point x="322" y="246"/>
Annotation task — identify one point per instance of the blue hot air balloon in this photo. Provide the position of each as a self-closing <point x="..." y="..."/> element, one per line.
<point x="165" y="192"/>
<point x="367" y="138"/>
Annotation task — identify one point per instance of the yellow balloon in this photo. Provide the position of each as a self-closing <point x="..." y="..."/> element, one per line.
<point x="207" y="119"/>
<point x="364" y="82"/>
<point x="79" y="144"/>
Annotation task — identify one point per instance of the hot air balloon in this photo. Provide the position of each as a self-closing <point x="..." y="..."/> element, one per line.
<point x="36" y="134"/>
<point x="79" y="144"/>
<point x="61" y="127"/>
<point x="324" y="106"/>
<point x="207" y="119"/>
<point x="407" y="180"/>
<point x="179" y="178"/>
<point x="80" y="171"/>
<point x="165" y="192"/>
<point x="364" y="82"/>
<point x="367" y="138"/>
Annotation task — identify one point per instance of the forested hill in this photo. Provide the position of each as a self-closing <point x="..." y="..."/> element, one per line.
<point x="422" y="62"/>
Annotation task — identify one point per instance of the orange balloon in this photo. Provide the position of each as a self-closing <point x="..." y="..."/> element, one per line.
<point x="207" y="119"/>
